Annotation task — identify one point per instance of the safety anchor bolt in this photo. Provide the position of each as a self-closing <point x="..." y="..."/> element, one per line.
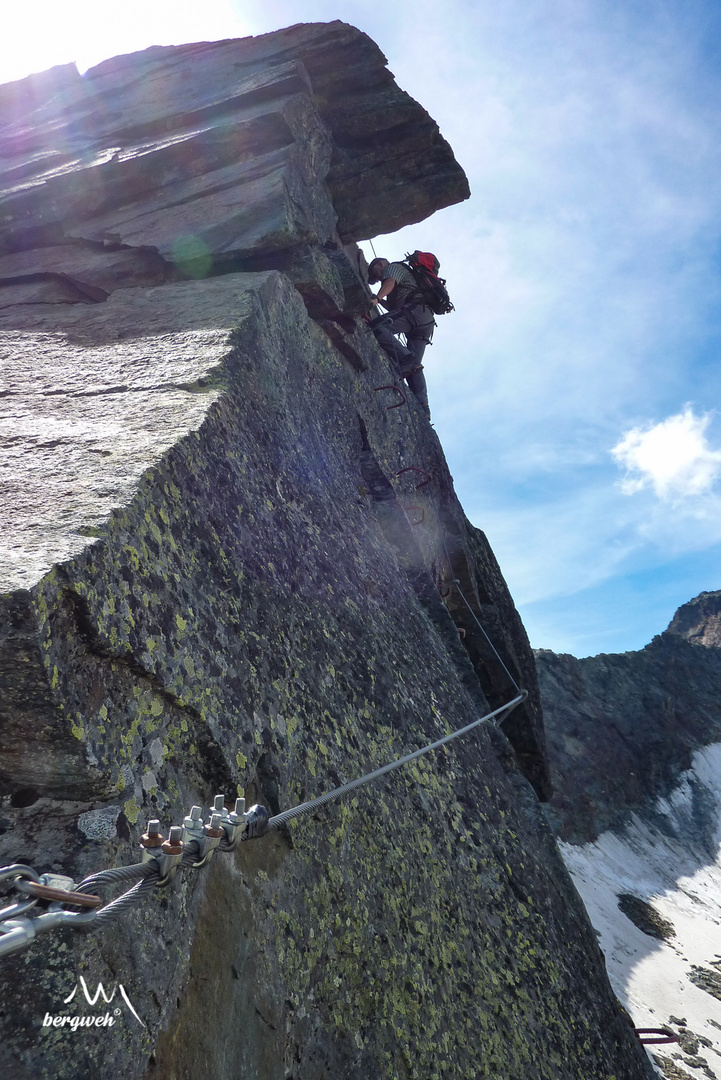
<point x="398" y="390"/>
<point x="418" y="520"/>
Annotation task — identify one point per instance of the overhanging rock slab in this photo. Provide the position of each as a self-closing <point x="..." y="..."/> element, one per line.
<point x="228" y="566"/>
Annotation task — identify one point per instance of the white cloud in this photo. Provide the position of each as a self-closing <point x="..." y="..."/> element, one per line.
<point x="673" y="457"/>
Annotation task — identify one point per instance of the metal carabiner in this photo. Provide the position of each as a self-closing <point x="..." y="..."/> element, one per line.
<point x="13" y="910"/>
<point x="17" y="871"/>
<point x="47" y="891"/>
<point x="17" y="934"/>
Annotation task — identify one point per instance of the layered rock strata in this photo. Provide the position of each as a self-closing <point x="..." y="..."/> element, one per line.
<point x="228" y="566"/>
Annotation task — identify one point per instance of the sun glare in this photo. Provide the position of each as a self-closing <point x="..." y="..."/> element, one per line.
<point x="39" y="34"/>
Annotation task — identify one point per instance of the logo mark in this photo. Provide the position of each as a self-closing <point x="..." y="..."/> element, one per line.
<point x="92" y="999"/>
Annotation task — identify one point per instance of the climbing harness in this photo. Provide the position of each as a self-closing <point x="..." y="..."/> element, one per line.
<point x="188" y="847"/>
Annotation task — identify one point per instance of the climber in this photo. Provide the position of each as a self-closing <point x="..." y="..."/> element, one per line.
<point x="406" y="315"/>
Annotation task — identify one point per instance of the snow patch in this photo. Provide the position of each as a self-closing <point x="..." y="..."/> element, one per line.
<point x="670" y="858"/>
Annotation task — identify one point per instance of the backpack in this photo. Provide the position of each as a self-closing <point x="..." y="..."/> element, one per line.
<point x="431" y="289"/>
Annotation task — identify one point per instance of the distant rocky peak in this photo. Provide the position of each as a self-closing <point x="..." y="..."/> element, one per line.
<point x="699" y="621"/>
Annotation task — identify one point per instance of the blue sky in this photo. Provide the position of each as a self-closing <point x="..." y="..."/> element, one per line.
<point x="576" y="387"/>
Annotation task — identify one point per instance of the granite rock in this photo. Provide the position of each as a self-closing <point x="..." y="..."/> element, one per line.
<point x="622" y="728"/>
<point x="258" y="611"/>
<point x="699" y="621"/>
<point x="229" y="566"/>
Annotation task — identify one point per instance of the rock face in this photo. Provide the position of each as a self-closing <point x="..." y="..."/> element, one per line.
<point x="621" y="729"/>
<point x="635" y="749"/>
<point x="229" y="565"/>
<point x="699" y="621"/>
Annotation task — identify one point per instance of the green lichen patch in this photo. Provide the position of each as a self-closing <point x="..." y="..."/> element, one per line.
<point x="223" y="636"/>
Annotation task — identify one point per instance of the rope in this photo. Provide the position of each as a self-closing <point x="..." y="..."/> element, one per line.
<point x="145" y="876"/>
<point x="307" y="807"/>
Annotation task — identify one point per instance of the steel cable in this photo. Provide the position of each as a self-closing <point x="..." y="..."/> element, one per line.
<point x="480" y="627"/>
<point x="477" y="621"/>
<point x="20" y="933"/>
<point x="127" y="901"/>
<point x="313" y="804"/>
<point x="136" y="872"/>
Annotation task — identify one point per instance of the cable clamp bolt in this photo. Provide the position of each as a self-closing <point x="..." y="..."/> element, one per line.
<point x="193" y="825"/>
<point x="207" y="837"/>
<point x="151" y="841"/>
<point x="232" y="823"/>
<point x="169" y="855"/>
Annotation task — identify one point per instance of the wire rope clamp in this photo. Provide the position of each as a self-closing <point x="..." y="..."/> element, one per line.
<point x="193" y="825"/>
<point x="206" y="837"/>
<point x="169" y="855"/>
<point x="213" y="833"/>
<point x="233" y="823"/>
<point x="165" y="853"/>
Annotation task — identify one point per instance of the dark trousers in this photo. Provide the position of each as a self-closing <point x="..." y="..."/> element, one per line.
<point x="417" y="324"/>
